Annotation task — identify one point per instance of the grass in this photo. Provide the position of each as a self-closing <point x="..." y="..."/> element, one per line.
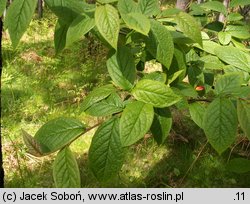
<point x="38" y="86"/>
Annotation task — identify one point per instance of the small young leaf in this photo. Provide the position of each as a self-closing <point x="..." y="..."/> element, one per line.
<point x="121" y="67"/>
<point x="108" y="23"/>
<point x="224" y="37"/>
<point x="155" y="93"/>
<point x="162" y="124"/>
<point x="160" y="43"/>
<point x="189" y="26"/>
<point x="138" y="22"/>
<point x="65" y="170"/>
<point x="113" y="104"/>
<point x="106" y="152"/>
<point x="61" y="30"/>
<point x="135" y="122"/>
<point x="149" y="7"/>
<point x="97" y="95"/>
<point x="57" y="133"/>
<point x="220" y="124"/>
<point x="18" y="18"/>
<point x="197" y="112"/>
<point x="239" y="165"/>
<point x="243" y="111"/>
<point x="78" y="28"/>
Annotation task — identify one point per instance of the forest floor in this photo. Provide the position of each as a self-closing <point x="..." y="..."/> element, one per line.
<point x="38" y="86"/>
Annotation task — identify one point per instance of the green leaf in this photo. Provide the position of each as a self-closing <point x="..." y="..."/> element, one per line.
<point x="174" y="76"/>
<point x="189" y="26"/>
<point x="18" y="18"/>
<point x="66" y="10"/>
<point x="2" y="6"/>
<point x="161" y="125"/>
<point x="149" y="7"/>
<point x="97" y="95"/>
<point x="241" y="32"/>
<point x="126" y="6"/>
<point x="224" y="37"/>
<point x="197" y="112"/>
<point x="106" y="152"/>
<point x="220" y="124"/>
<point x="226" y="84"/>
<point x="60" y="34"/>
<point x="65" y="170"/>
<point x="107" y="1"/>
<point x="239" y="165"/>
<point x="138" y="22"/>
<point x="243" y="111"/>
<point x="121" y="67"/>
<point x="57" y="133"/>
<point x="234" y="56"/>
<point x="235" y="3"/>
<point x="34" y="148"/>
<point x="215" y="6"/>
<point x="212" y="62"/>
<point x="208" y="46"/>
<point x="234" y="17"/>
<point x="108" y="23"/>
<point x="78" y="28"/>
<point x="156" y="76"/>
<point x="155" y="93"/>
<point x="135" y="122"/>
<point x="160" y="43"/>
<point x="113" y="104"/>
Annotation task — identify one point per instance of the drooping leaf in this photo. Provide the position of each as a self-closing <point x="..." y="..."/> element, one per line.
<point x="155" y="93"/>
<point x="97" y="95"/>
<point x="197" y="112"/>
<point x="126" y="6"/>
<point x="189" y="26"/>
<point x="161" y="125"/>
<point x="215" y="6"/>
<point x="137" y="22"/>
<point x="160" y="43"/>
<point x="2" y="6"/>
<point x="78" y="28"/>
<point x="108" y="23"/>
<point x="60" y="34"/>
<point x="57" y="133"/>
<point x="121" y="67"/>
<point x="149" y="7"/>
<point x="239" y="165"/>
<point x="106" y="152"/>
<point x="234" y="56"/>
<point x="220" y="124"/>
<point x="243" y="111"/>
<point x="135" y="122"/>
<point x="113" y="104"/>
<point x="226" y="84"/>
<point x="18" y="18"/>
<point x="224" y="37"/>
<point x="65" y="170"/>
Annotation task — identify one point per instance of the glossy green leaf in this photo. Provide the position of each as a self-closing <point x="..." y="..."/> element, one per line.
<point x="161" y="125"/>
<point x="157" y="76"/>
<point x="113" y="104"/>
<point x="121" y="67"/>
<point x="224" y="37"/>
<point x="60" y="34"/>
<point x="215" y="6"/>
<point x="189" y="26"/>
<point x="220" y="124"/>
<point x="18" y="18"/>
<point x="226" y="84"/>
<point x="57" y="133"/>
<point x="137" y="22"/>
<point x="239" y="165"/>
<point x="106" y="152"/>
<point x="241" y="32"/>
<point x="160" y="43"/>
<point x="126" y="6"/>
<point x="197" y="112"/>
<point x="234" y="56"/>
<point x="235" y="3"/>
<point x="243" y="111"/>
<point x="135" y="122"/>
<point x="2" y="6"/>
<point x="234" y="17"/>
<point x="108" y="23"/>
<point x="65" y="170"/>
<point x="208" y="46"/>
<point x="78" y="28"/>
<point x="97" y="95"/>
<point x="149" y="7"/>
<point x="155" y="93"/>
